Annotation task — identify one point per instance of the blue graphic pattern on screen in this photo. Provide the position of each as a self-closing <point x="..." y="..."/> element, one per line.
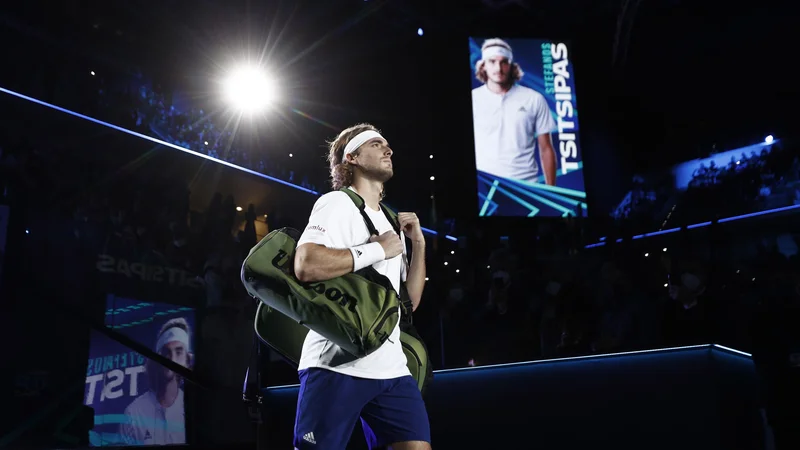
<point x="118" y="385"/>
<point x="547" y="70"/>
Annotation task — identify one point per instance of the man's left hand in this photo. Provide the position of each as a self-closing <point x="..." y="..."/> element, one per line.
<point x="409" y="223"/>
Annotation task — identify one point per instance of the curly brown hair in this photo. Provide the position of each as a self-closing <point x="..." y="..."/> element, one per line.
<point x="341" y="170"/>
<point x="480" y="70"/>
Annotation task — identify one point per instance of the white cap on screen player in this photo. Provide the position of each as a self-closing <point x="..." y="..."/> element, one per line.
<point x="493" y="48"/>
<point x="174" y="334"/>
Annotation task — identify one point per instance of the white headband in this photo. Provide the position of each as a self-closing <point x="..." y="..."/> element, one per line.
<point x="172" y="335"/>
<point x="497" y="50"/>
<point x="359" y="140"/>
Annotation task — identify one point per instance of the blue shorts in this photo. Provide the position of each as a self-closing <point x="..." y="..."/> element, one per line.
<point x="329" y="404"/>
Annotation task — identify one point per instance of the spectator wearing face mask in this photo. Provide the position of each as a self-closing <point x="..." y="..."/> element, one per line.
<point x="686" y="314"/>
<point x="615" y="298"/>
<point x="549" y="324"/>
<point x="498" y="292"/>
<point x="501" y="263"/>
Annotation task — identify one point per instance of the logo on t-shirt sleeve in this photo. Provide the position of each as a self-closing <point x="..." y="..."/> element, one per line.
<point x="316" y="228"/>
<point x="358" y="253"/>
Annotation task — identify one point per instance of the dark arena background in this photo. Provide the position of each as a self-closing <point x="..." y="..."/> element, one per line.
<point x="649" y="297"/>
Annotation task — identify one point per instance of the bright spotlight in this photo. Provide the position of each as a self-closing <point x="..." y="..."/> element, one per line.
<point x="769" y="139"/>
<point x="239" y="208"/>
<point x="250" y="89"/>
<point x="420" y="32"/>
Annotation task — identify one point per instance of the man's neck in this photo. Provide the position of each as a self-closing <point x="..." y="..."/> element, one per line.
<point x="497" y="88"/>
<point x="370" y="191"/>
<point x="168" y="393"/>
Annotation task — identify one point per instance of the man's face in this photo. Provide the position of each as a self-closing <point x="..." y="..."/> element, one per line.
<point x="375" y="160"/>
<point x="497" y="69"/>
<point x="176" y="352"/>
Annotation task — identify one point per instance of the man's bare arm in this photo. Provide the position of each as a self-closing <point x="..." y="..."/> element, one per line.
<point x="314" y="262"/>
<point x="415" y="280"/>
<point x="548" y="156"/>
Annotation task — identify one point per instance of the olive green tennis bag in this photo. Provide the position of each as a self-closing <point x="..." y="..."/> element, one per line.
<point x="357" y="311"/>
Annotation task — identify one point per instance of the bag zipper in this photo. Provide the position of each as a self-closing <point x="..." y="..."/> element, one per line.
<point x="383" y="320"/>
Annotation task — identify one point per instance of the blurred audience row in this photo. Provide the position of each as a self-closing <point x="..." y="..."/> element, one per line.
<point x="751" y="182"/>
<point x="522" y="302"/>
<point x="528" y="295"/>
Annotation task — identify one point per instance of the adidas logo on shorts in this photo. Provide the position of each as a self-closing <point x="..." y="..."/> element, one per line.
<point x="309" y="437"/>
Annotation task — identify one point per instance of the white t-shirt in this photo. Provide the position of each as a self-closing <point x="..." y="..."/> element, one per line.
<point x="336" y="223"/>
<point x="506" y="128"/>
<point x="149" y="423"/>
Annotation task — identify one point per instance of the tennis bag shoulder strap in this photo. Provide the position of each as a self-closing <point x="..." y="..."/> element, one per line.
<point x="418" y="358"/>
<point x="391" y="216"/>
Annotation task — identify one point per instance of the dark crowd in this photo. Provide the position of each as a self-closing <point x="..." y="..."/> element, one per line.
<point x="516" y="299"/>
<point x="492" y="298"/>
<point x="143" y="104"/>
<point x="751" y="181"/>
<point x="69" y="213"/>
<point x="194" y="129"/>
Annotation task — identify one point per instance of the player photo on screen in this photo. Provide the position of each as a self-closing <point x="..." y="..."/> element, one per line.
<point x="136" y="400"/>
<point x="525" y="120"/>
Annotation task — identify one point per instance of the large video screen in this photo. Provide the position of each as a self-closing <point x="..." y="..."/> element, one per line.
<point x="136" y="400"/>
<point x="525" y="119"/>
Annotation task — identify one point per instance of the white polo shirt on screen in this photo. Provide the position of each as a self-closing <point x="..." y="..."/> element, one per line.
<point x="506" y="128"/>
<point x="336" y="223"/>
<point x="149" y="423"/>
